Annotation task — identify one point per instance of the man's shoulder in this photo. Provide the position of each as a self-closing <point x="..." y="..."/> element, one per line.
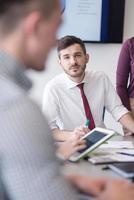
<point x="10" y="92"/>
<point x="21" y="101"/>
<point x="24" y="112"/>
<point x="56" y="81"/>
<point x="96" y="74"/>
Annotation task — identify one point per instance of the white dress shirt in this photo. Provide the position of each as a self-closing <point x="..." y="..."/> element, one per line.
<point x="63" y="105"/>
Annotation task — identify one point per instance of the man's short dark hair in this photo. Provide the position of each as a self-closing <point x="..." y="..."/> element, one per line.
<point x="69" y="40"/>
<point x="12" y="11"/>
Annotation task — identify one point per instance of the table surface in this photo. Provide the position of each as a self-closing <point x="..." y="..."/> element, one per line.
<point x="87" y="168"/>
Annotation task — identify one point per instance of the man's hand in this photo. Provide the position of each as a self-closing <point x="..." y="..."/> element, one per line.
<point x="118" y="190"/>
<point x="63" y="135"/>
<point x="102" y="188"/>
<point x="71" y="146"/>
<point x="81" y="130"/>
<point x="127" y="121"/>
<point x="89" y="185"/>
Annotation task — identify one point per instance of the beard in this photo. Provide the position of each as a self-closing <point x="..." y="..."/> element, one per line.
<point x="76" y="71"/>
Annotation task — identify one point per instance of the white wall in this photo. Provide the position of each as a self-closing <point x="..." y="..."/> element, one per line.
<point x="102" y="57"/>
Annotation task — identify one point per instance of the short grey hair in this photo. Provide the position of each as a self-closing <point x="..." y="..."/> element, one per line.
<point x="12" y="11"/>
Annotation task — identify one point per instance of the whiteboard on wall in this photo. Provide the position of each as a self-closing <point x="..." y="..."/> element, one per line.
<point x="82" y="18"/>
<point x="93" y="20"/>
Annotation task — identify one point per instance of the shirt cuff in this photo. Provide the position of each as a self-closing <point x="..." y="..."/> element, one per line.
<point x="120" y="112"/>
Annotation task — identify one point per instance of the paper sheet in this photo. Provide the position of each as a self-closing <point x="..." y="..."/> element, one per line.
<point x="111" y="159"/>
<point x="127" y="151"/>
<point x="118" y="145"/>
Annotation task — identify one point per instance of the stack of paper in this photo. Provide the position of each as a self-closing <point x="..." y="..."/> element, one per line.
<point x="113" y="151"/>
<point x="118" y="145"/>
<point x="111" y="158"/>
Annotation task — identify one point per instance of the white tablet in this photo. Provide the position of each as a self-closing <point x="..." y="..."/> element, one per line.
<point x="93" y="139"/>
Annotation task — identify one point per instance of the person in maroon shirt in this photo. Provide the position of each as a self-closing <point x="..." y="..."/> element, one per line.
<point x="125" y="75"/>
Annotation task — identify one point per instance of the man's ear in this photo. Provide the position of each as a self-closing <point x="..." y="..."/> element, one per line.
<point x="87" y="57"/>
<point x="59" y="61"/>
<point x="31" y="23"/>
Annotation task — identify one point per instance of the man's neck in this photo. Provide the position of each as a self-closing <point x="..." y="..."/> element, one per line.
<point x="77" y="79"/>
<point x="8" y="45"/>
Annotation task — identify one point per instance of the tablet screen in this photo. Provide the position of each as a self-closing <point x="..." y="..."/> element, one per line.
<point x="124" y="169"/>
<point x="92" y="139"/>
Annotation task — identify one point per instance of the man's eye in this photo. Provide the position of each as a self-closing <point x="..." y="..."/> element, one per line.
<point x="65" y="58"/>
<point x="78" y="55"/>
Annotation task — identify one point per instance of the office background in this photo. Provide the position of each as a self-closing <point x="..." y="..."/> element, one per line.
<point x="103" y="57"/>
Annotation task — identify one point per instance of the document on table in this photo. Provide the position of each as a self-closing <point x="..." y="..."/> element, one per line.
<point x="111" y="158"/>
<point x="129" y="152"/>
<point x="122" y="155"/>
<point x="118" y="145"/>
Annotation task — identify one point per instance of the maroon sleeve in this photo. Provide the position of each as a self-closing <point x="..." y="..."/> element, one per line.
<point x="122" y="74"/>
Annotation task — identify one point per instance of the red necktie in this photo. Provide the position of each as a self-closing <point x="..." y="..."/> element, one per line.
<point x="86" y="107"/>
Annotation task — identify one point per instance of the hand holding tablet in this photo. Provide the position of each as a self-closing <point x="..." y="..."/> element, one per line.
<point x="93" y="139"/>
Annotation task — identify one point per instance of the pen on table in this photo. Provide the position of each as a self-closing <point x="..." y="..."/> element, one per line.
<point x="127" y="154"/>
<point x="87" y="123"/>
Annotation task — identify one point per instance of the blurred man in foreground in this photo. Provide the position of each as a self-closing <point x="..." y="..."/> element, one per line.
<point x="28" y="167"/>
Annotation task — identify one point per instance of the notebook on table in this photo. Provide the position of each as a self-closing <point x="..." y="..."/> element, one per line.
<point x="111" y="158"/>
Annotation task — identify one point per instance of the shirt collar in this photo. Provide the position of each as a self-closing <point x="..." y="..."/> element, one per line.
<point x="71" y="84"/>
<point x="14" y="69"/>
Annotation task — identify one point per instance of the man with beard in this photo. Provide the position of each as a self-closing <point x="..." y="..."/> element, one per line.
<point x="29" y="169"/>
<point x="64" y="99"/>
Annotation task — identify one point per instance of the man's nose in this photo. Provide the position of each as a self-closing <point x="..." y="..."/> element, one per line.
<point x="73" y="60"/>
